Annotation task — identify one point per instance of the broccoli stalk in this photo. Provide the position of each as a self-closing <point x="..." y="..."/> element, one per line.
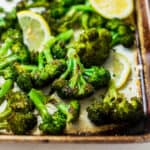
<point x="17" y="116"/>
<point x="115" y="108"/>
<point x="5" y="88"/>
<point x="51" y="124"/>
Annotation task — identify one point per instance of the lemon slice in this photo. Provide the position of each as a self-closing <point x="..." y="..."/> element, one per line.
<point x="113" y="8"/>
<point x="119" y="67"/>
<point x="35" y="29"/>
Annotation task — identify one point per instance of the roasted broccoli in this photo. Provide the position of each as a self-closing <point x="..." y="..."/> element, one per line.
<point x="51" y="123"/>
<point x="70" y="109"/>
<point x="53" y="67"/>
<point x="19" y="54"/>
<point x="115" y="108"/>
<point x="93" y="46"/>
<point x="18" y="116"/>
<point x="92" y="20"/>
<point x="97" y="76"/>
<point x="5" y="88"/>
<point x="122" y="33"/>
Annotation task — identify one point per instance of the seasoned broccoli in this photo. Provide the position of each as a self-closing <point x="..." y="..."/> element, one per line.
<point x="122" y="33"/>
<point x="9" y="37"/>
<point x="53" y="67"/>
<point x="18" y="116"/>
<point x="92" y="20"/>
<point x="5" y="88"/>
<point x="51" y="124"/>
<point x="19" y="123"/>
<point x="19" y="53"/>
<point x="115" y="108"/>
<point x="10" y="75"/>
<point x="71" y="109"/>
<point x="8" y="20"/>
<point x="93" y="46"/>
<point x="59" y="49"/>
<point x="72" y="83"/>
<point x="97" y="76"/>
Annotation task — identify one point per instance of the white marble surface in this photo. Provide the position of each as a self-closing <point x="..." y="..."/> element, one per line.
<point x="35" y="146"/>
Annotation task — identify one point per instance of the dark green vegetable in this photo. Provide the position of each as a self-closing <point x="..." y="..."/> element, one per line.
<point x="97" y="76"/>
<point x="115" y="108"/>
<point x="94" y="46"/>
<point x="122" y="33"/>
<point x="72" y="83"/>
<point x="70" y="109"/>
<point x="18" y="116"/>
<point x="51" y="124"/>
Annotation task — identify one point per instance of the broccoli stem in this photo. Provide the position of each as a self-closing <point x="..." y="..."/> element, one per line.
<point x="28" y="67"/>
<point x="40" y="61"/>
<point x="84" y="20"/>
<point x="36" y="98"/>
<point x="4" y="125"/>
<point x="47" y="48"/>
<point x="8" y="60"/>
<point x="37" y="4"/>
<point x="83" y="8"/>
<point x="6" y="87"/>
<point x="6" y="46"/>
<point x="5" y="113"/>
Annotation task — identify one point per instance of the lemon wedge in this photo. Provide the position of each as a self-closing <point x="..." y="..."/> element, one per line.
<point x="119" y="67"/>
<point x="35" y="29"/>
<point x="113" y="8"/>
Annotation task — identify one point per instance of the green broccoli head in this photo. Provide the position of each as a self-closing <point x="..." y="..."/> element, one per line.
<point x="55" y="124"/>
<point x="51" y="123"/>
<point x="97" y="76"/>
<point x="116" y="108"/>
<point x="122" y="33"/>
<point x="24" y="81"/>
<point x="21" y="123"/>
<point x="19" y="102"/>
<point x="98" y="114"/>
<point x="59" y="50"/>
<point x="71" y="108"/>
<point x="93" y="46"/>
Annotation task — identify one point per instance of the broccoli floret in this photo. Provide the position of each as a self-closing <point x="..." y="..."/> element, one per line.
<point x="8" y="21"/>
<point x="67" y="18"/>
<point x="122" y="33"/>
<point x="19" y="123"/>
<point x="92" y="20"/>
<point x="53" y="67"/>
<point x="94" y="46"/>
<point x="59" y="49"/>
<point x="9" y="37"/>
<point x="97" y="76"/>
<point x="70" y="109"/>
<point x="18" y="116"/>
<point x="72" y="83"/>
<point x="19" y="102"/>
<point x="115" y="108"/>
<point x="20" y="54"/>
<point x="51" y="124"/>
